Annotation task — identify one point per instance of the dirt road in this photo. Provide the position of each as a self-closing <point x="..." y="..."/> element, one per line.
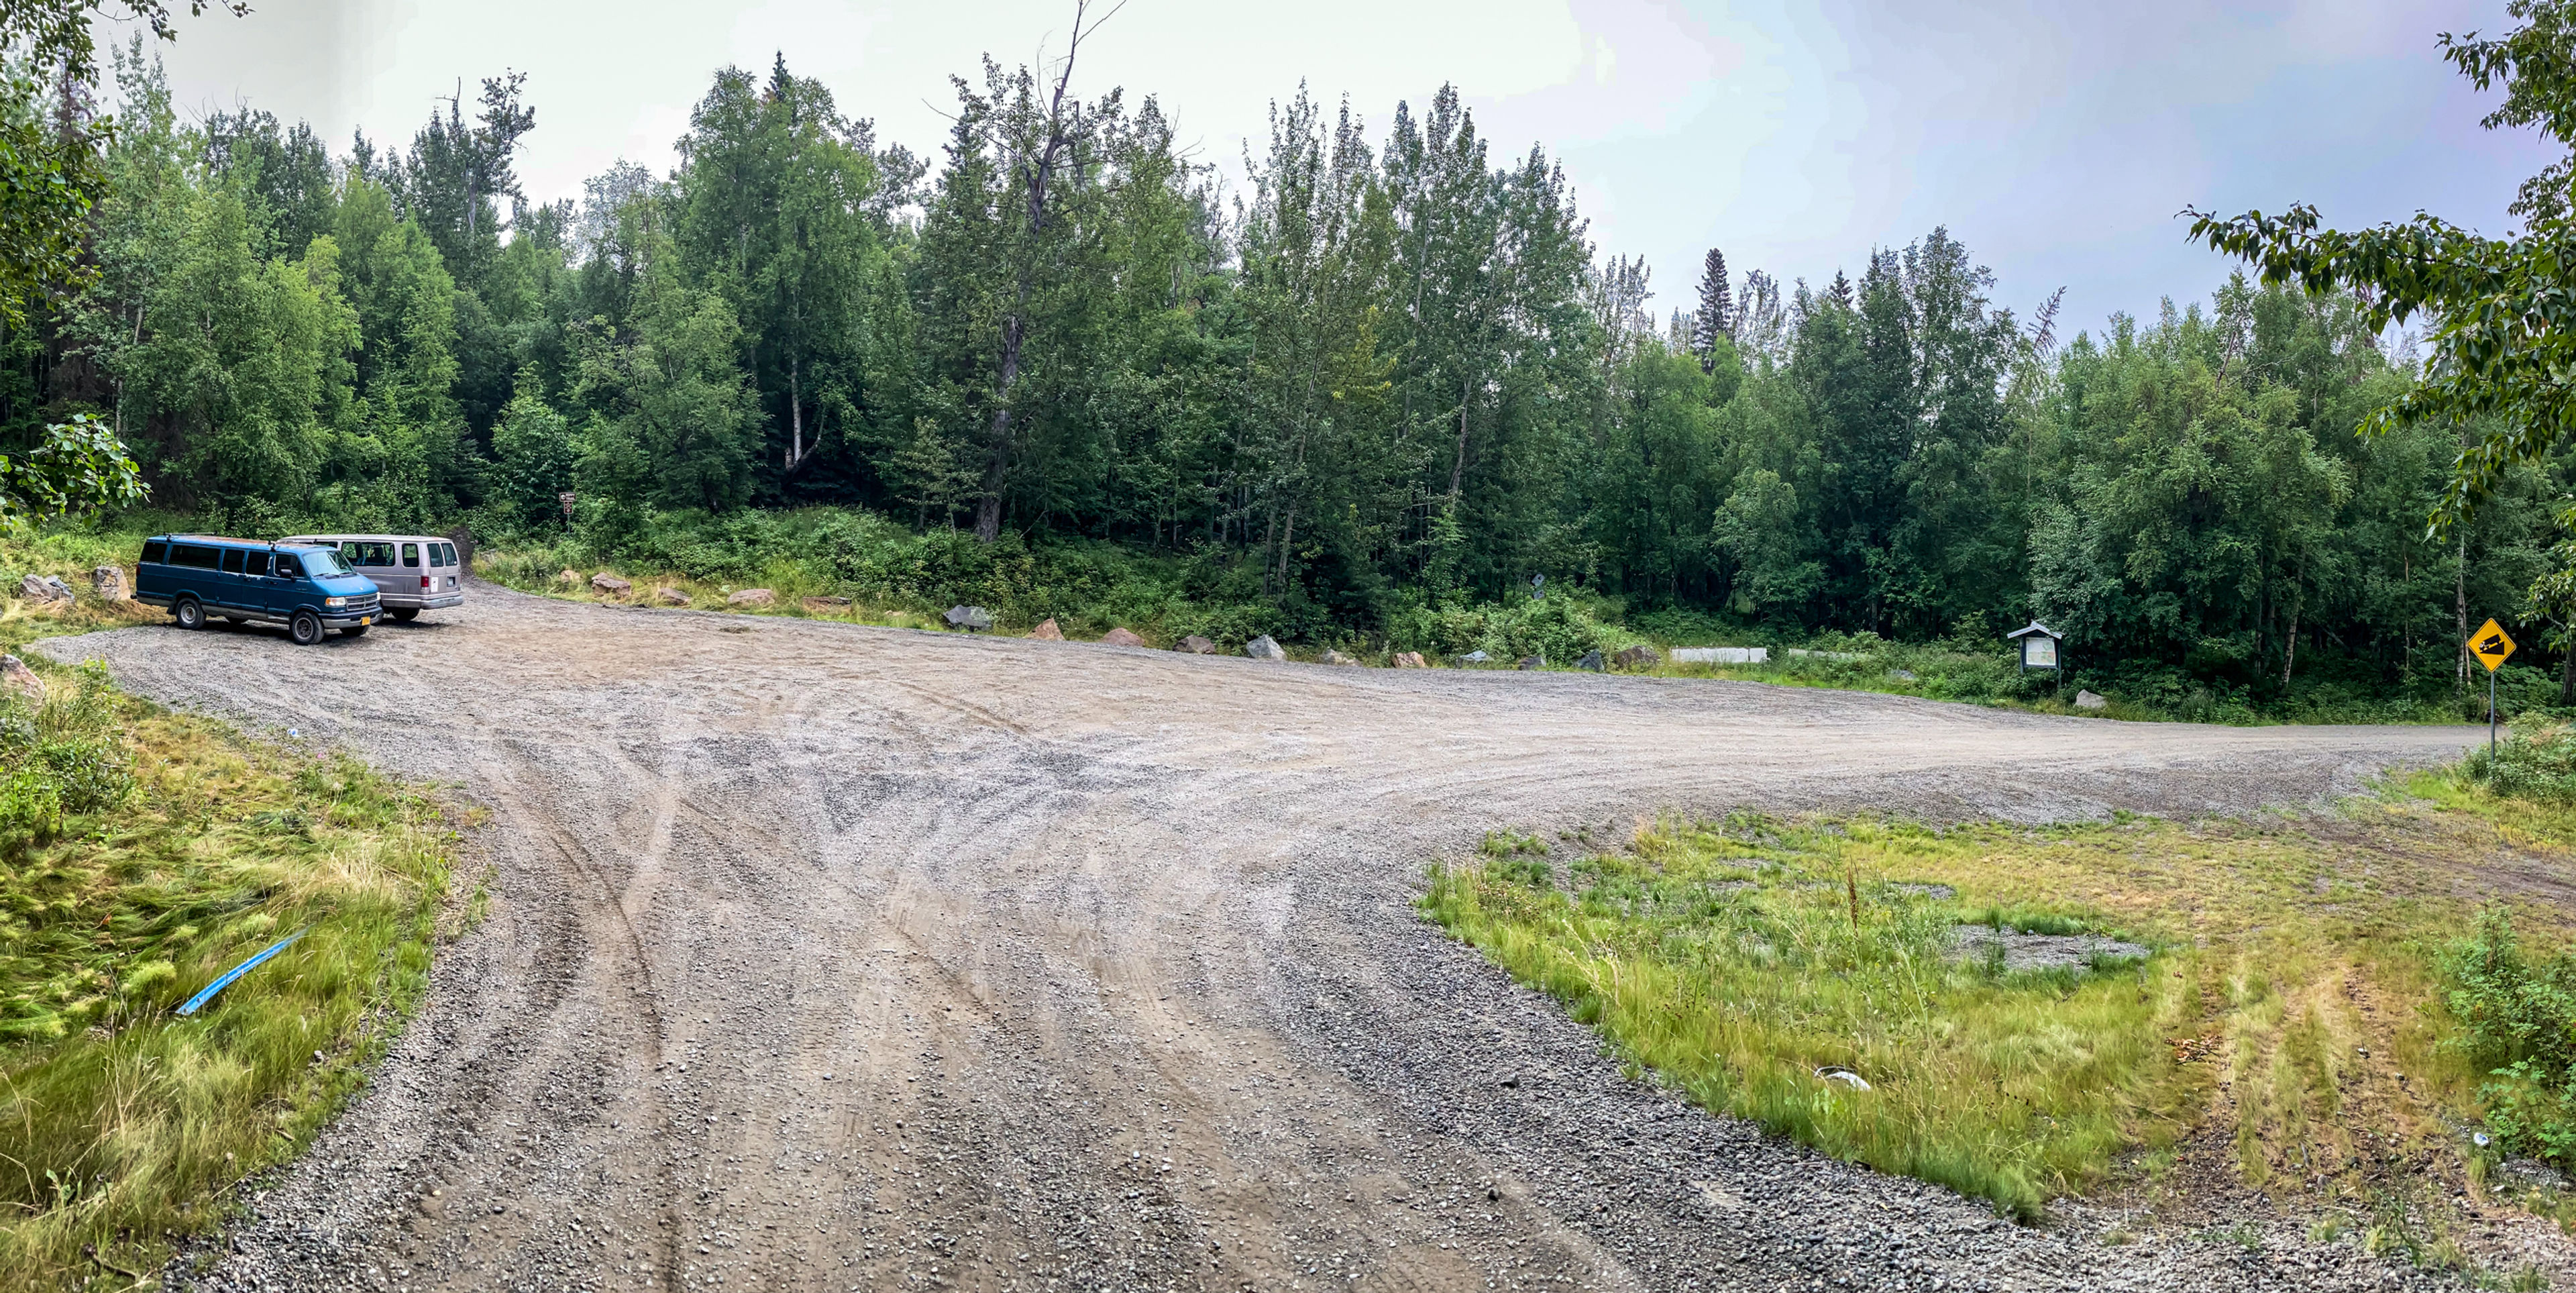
<point x="831" y="957"/>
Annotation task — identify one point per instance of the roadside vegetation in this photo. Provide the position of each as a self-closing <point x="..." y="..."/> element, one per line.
<point x="2343" y="1020"/>
<point x="142" y="854"/>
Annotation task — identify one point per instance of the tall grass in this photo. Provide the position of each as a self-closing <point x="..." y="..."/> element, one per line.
<point x="144" y="853"/>
<point x="1736" y="958"/>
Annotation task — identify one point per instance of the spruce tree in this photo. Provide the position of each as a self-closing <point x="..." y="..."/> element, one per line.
<point x="1715" y="316"/>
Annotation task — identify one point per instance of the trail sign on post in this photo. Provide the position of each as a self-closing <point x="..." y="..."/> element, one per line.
<point x="566" y="498"/>
<point x="2491" y="644"/>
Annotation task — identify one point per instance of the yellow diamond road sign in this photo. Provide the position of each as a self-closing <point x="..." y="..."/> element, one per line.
<point x="2490" y="645"/>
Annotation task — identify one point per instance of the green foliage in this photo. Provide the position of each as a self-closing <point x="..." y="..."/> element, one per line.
<point x="1368" y="406"/>
<point x="2503" y="326"/>
<point x="2514" y="1017"/>
<point x="2536" y="760"/>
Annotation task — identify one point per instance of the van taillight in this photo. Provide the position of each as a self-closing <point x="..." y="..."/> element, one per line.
<point x="424" y="583"/>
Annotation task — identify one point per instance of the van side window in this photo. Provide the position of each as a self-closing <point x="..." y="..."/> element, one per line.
<point x="451" y="552"/>
<point x="349" y="552"/>
<point x="254" y="563"/>
<point x="289" y="566"/>
<point x="194" y="556"/>
<point x="436" y="558"/>
<point x="411" y="554"/>
<point x="155" y="552"/>
<point x="232" y="561"/>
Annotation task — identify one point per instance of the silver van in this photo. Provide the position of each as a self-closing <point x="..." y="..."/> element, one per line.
<point x="412" y="572"/>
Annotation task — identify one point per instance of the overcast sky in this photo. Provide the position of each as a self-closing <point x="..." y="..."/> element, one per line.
<point x="2056" y="142"/>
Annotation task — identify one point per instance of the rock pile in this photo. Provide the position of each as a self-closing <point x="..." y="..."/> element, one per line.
<point x="45" y="590"/>
<point x="1121" y="637"/>
<point x="1640" y="656"/>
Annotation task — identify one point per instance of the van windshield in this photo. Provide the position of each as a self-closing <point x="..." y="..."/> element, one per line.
<point x="324" y="561"/>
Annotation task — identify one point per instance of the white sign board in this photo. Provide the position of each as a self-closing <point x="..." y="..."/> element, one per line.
<point x="2039" y="651"/>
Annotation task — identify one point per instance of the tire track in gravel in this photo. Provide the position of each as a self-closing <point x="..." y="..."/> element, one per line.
<point x="830" y="957"/>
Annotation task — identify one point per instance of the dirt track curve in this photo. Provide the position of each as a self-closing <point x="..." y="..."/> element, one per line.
<point x="833" y="957"/>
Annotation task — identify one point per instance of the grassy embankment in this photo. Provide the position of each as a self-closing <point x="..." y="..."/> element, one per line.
<point x="142" y="853"/>
<point x="2288" y="1034"/>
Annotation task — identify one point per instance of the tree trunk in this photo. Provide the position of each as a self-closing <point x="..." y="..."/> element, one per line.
<point x="2461" y="602"/>
<point x="2567" y="673"/>
<point x="2290" y="649"/>
<point x="1458" y="466"/>
<point x="795" y="416"/>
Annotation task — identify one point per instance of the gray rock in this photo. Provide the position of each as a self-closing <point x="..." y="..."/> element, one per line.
<point x="1637" y="657"/>
<point x="109" y="583"/>
<point x="2038" y="951"/>
<point x="670" y="597"/>
<point x="2087" y="700"/>
<point x="1264" y="648"/>
<point x="753" y="597"/>
<point x="610" y="585"/>
<point x="45" y="590"/>
<point x="973" y="619"/>
<point x="1472" y="657"/>
<point x="1532" y="662"/>
<point x="1592" y="661"/>
<point x="1332" y="656"/>
<point x="1195" y="645"/>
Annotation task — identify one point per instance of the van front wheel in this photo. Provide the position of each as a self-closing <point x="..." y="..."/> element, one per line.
<point x="305" y="628"/>
<point x="189" y="614"/>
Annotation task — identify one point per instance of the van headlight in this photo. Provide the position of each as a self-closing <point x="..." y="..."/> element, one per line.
<point x="335" y="601"/>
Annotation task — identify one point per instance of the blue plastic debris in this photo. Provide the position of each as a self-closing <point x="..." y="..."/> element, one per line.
<point x="238" y="971"/>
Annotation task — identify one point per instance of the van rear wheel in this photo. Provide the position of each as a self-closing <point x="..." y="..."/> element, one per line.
<point x="305" y="628"/>
<point x="404" y="614"/>
<point x="189" y="614"/>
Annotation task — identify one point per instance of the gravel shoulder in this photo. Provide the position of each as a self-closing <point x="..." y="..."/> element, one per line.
<point x="826" y="956"/>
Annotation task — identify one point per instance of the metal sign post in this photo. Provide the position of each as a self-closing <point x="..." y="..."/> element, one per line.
<point x="2491" y="645"/>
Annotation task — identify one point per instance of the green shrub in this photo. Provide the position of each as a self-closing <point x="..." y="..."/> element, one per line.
<point x="2535" y="761"/>
<point x="2515" y="1017"/>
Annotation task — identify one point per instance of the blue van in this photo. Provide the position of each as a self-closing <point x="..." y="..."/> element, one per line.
<point x="306" y="588"/>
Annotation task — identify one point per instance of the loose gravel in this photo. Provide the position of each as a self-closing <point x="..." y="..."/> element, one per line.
<point x="832" y="957"/>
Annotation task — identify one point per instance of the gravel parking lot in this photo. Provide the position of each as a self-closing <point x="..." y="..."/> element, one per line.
<point x="833" y="957"/>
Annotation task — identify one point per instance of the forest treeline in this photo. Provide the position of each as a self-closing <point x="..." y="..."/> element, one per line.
<point x="1387" y="372"/>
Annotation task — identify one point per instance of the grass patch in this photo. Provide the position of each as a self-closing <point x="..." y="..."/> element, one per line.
<point x="2285" y="1032"/>
<point x="143" y="853"/>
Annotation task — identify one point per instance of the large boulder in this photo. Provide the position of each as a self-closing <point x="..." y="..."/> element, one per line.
<point x="1046" y="631"/>
<point x="45" y="590"/>
<point x="973" y="619"/>
<point x="1529" y="662"/>
<point x="1640" y="656"/>
<point x="2087" y="700"/>
<point x="670" y="596"/>
<point x="1264" y="648"/>
<point x="570" y="578"/>
<point x="1592" y="662"/>
<point x="17" y="677"/>
<point x="753" y="597"/>
<point x="1121" y="637"/>
<point x="1408" y="660"/>
<point x="608" y="585"/>
<point x="1195" y="645"/>
<point x="109" y="583"/>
